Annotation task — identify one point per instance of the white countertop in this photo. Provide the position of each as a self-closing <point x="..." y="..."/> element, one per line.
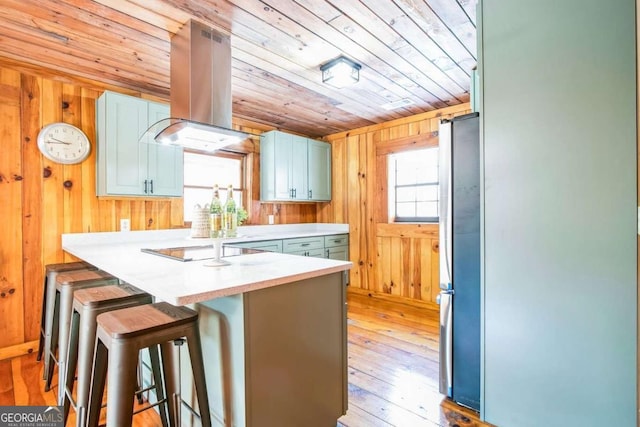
<point x="183" y="283"/>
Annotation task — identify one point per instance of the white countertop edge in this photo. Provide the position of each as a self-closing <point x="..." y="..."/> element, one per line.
<point x="245" y="234"/>
<point x="209" y="295"/>
<point x="183" y="283"/>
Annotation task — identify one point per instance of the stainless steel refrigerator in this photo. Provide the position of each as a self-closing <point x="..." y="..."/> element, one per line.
<point x="459" y="166"/>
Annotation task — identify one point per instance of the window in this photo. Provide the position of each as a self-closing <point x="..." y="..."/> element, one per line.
<point x="202" y="171"/>
<point x="413" y="186"/>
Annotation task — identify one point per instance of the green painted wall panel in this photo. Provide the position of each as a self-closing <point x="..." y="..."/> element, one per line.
<point x="559" y="142"/>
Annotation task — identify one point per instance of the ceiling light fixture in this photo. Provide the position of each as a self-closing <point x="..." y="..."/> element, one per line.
<point x="340" y="72"/>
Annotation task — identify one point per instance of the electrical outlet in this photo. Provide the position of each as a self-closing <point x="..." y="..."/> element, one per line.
<point x="271" y="221"/>
<point x="125" y="225"/>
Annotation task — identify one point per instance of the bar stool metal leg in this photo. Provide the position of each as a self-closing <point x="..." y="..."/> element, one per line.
<point x="43" y="321"/>
<point x="155" y="367"/>
<point x="72" y="361"/>
<point x="171" y="372"/>
<point x="197" y="364"/>
<point x="125" y="332"/>
<point x="121" y="379"/>
<point x="98" y="379"/>
<point x="47" y="315"/>
<point x="66" y="289"/>
<point x="50" y="361"/>
<point x="85" y="346"/>
<point x="88" y="303"/>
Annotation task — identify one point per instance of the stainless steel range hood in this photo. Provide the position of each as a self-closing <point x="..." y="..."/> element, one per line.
<point x="200" y="91"/>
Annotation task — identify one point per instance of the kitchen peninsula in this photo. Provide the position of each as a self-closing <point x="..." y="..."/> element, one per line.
<point x="273" y="325"/>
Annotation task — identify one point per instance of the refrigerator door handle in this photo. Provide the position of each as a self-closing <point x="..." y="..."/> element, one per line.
<point x="445" y="299"/>
<point x="445" y="184"/>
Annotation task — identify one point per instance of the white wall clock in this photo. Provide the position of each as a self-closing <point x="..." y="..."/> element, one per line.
<point x="63" y="143"/>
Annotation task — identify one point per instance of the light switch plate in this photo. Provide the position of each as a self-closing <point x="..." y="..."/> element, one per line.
<point x="271" y="221"/>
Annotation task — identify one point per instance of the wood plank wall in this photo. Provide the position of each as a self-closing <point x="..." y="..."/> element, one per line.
<point x="40" y="200"/>
<point x="388" y="258"/>
<point x="37" y="207"/>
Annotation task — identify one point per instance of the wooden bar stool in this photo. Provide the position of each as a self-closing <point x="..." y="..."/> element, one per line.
<point x="66" y="285"/>
<point x="48" y="301"/>
<point x="87" y="305"/>
<point x="121" y="335"/>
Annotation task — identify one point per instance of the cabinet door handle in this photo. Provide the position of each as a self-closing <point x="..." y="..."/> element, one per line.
<point x="327" y="253"/>
<point x="151" y="186"/>
<point x="310" y="196"/>
<point x="291" y="193"/>
<point x="145" y="186"/>
<point x="294" y="193"/>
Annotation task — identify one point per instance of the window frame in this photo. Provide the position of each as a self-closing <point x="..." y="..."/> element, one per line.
<point x="425" y="139"/>
<point x="244" y="179"/>
<point x="411" y="219"/>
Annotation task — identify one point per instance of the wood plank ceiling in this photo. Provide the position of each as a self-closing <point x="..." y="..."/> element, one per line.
<point x="420" y="51"/>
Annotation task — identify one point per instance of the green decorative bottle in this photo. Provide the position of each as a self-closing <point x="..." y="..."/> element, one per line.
<point x="215" y="214"/>
<point x="230" y="215"/>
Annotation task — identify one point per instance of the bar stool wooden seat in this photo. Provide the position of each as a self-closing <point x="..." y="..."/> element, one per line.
<point x="87" y="305"/>
<point x="66" y="285"/>
<point x="47" y="318"/>
<point x="121" y="334"/>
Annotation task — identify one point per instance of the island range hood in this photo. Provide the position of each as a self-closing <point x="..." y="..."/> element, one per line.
<point x="200" y="92"/>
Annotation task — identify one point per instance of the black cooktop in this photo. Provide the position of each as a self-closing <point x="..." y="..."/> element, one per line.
<point x="196" y="253"/>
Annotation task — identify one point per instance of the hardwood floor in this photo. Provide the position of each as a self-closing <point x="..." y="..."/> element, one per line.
<point x="393" y="367"/>
<point x="21" y="384"/>
<point x="393" y="371"/>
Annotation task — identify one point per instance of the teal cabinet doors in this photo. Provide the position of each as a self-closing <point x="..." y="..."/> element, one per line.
<point x="127" y="166"/>
<point x="294" y="168"/>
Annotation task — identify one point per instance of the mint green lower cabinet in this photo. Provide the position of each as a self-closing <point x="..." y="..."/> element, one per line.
<point x="275" y="356"/>
<point x="265" y="245"/>
<point x="299" y="246"/>
<point x="337" y="247"/>
<point x="334" y="246"/>
<point x="340" y="253"/>
<point x="316" y="253"/>
<point x="125" y="165"/>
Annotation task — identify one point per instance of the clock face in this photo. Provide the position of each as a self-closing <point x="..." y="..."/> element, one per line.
<point x="63" y="143"/>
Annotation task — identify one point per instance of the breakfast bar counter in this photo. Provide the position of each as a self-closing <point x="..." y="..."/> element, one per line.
<point x="273" y="325"/>
<point x="181" y="283"/>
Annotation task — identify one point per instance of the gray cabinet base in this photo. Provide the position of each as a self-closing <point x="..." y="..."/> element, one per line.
<point x="276" y="356"/>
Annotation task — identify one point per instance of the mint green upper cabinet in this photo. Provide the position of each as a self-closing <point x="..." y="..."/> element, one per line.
<point x="319" y="161"/>
<point x="294" y="168"/>
<point x="298" y="177"/>
<point x="283" y="166"/>
<point x="165" y="162"/>
<point x="125" y="166"/>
